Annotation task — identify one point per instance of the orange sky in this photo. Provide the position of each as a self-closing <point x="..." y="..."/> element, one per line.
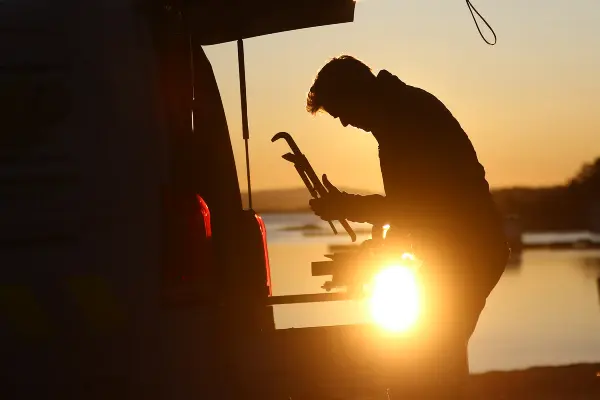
<point x="530" y="103"/>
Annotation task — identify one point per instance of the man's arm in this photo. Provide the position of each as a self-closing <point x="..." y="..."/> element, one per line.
<point x="370" y="209"/>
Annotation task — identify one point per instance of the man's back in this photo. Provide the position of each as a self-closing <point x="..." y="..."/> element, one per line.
<point x="432" y="177"/>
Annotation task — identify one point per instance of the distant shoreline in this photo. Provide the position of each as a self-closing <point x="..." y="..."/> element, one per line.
<point x="575" y="381"/>
<point x="292" y="211"/>
<point x="572" y="205"/>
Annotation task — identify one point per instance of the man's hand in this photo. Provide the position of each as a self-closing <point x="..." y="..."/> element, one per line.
<point x="329" y="207"/>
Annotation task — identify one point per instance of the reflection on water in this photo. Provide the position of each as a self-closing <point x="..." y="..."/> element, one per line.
<point x="544" y="311"/>
<point x="547" y="314"/>
<point x="591" y="262"/>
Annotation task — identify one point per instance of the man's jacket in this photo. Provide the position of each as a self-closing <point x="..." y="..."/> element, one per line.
<point x="435" y="187"/>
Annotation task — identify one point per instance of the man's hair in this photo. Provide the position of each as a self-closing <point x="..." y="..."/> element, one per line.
<point x="334" y="81"/>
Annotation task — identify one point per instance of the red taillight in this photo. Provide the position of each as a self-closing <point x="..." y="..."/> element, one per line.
<point x="263" y="232"/>
<point x="205" y="216"/>
<point x="188" y="265"/>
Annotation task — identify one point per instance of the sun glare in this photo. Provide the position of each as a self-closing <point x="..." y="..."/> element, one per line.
<point x="394" y="302"/>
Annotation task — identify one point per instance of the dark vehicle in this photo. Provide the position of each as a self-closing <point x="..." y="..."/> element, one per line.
<point x="129" y="267"/>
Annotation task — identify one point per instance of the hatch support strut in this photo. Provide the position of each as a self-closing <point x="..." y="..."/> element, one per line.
<point x="244" y="105"/>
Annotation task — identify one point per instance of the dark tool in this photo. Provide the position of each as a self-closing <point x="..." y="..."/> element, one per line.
<point x="309" y="177"/>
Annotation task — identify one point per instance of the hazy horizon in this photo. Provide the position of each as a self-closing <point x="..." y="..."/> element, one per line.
<point x="527" y="103"/>
<point x="299" y="187"/>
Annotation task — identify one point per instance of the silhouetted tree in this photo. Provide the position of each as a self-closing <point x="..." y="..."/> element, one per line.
<point x="588" y="179"/>
<point x="573" y="206"/>
<point x="585" y="193"/>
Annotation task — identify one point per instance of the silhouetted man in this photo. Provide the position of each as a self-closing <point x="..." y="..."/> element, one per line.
<point x="436" y="194"/>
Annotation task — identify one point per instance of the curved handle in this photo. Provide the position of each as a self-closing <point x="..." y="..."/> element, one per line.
<point x="290" y="141"/>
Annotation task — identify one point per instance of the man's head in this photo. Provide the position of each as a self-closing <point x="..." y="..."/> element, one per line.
<point x="344" y="88"/>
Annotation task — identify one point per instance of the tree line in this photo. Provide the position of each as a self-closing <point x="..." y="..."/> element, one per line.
<point x="572" y="206"/>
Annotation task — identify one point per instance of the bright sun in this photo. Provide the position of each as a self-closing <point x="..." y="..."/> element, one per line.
<point x="394" y="302"/>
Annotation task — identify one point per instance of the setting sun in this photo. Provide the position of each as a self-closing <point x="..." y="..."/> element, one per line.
<point x="394" y="302"/>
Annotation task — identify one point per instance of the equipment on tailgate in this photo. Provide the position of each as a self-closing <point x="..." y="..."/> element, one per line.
<point x="309" y="177"/>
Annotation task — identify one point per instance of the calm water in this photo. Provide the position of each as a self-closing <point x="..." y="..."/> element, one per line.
<point x="544" y="311"/>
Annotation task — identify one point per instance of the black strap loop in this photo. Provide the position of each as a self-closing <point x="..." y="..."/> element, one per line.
<point x="473" y="9"/>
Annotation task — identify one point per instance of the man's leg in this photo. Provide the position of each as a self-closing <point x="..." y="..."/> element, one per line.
<point x="448" y="348"/>
<point x="456" y="303"/>
<point x="451" y="310"/>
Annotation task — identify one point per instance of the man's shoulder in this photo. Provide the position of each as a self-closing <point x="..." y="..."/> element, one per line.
<point x="387" y="80"/>
<point x="397" y="93"/>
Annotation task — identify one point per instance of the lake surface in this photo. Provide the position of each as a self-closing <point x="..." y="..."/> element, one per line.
<point x="544" y="311"/>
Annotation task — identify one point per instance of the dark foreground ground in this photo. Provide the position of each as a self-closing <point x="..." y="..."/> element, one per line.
<point x="572" y="382"/>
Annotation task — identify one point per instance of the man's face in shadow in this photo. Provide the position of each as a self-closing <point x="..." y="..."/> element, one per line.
<point x="352" y="111"/>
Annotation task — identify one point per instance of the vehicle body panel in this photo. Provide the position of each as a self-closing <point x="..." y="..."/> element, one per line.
<point x="95" y="197"/>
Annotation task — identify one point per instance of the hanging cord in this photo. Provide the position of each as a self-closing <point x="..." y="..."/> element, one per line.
<point x="473" y="9"/>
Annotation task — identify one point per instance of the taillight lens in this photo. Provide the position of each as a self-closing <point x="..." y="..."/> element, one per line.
<point x="263" y="231"/>
<point x="205" y="216"/>
<point x="188" y="265"/>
